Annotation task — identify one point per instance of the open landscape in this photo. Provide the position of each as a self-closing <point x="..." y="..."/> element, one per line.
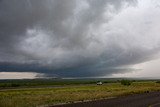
<point x="79" y="53"/>
<point x="45" y="93"/>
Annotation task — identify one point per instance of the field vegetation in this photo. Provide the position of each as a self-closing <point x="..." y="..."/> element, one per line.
<point x="44" y="96"/>
<point x="48" y="82"/>
<point x="126" y="82"/>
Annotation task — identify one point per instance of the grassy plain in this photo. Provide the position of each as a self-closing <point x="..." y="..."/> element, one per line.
<point x="43" y="96"/>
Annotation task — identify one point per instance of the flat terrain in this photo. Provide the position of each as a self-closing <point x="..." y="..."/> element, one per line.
<point x="39" y="94"/>
<point x="139" y="100"/>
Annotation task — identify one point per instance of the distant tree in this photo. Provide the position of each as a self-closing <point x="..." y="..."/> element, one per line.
<point x="157" y="81"/>
<point x="15" y="85"/>
<point x="126" y="82"/>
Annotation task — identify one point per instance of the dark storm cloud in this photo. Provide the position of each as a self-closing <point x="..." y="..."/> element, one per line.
<point x="77" y="37"/>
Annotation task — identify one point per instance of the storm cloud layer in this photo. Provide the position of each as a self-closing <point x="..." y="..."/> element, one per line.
<point x="78" y="38"/>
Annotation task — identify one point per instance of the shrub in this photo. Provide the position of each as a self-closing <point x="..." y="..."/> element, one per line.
<point x="126" y="82"/>
<point x="15" y="85"/>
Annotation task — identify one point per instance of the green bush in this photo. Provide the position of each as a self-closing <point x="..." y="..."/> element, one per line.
<point x="15" y="85"/>
<point x="126" y="82"/>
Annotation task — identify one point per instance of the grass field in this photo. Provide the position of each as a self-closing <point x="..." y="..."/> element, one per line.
<point x="49" y="82"/>
<point x="43" y="96"/>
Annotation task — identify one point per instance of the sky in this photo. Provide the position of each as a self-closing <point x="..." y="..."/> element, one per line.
<point x="79" y="38"/>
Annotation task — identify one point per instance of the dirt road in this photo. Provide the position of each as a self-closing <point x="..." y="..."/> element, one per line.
<point x="151" y="99"/>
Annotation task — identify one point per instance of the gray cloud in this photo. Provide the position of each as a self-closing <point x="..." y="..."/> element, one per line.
<point x="77" y="37"/>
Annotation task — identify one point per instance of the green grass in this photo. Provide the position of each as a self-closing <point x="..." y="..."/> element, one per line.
<point x="33" y="97"/>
